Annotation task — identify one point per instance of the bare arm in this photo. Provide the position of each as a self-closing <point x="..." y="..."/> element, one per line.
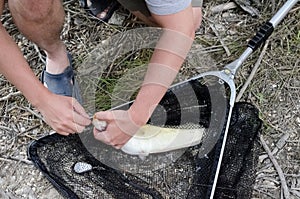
<point x="165" y="62"/>
<point x="15" y="68"/>
<point x="57" y="110"/>
<point x="163" y="68"/>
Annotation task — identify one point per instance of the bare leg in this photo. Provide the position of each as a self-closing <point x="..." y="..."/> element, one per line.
<point x="197" y="14"/>
<point x="42" y="22"/>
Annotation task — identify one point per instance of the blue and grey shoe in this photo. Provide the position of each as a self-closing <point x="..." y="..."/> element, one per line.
<point x="63" y="83"/>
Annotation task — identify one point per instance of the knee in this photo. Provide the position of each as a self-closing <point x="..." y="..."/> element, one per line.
<point x="32" y="10"/>
<point x="1" y="6"/>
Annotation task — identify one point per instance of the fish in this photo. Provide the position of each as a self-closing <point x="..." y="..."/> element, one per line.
<point x="150" y="139"/>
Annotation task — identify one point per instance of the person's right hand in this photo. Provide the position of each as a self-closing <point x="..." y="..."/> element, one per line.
<point x="64" y="114"/>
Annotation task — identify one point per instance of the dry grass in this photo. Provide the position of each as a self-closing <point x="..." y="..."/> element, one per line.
<point x="274" y="90"/>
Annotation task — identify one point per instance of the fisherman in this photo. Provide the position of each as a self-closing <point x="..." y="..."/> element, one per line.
<point x="42" y="22"/>
<point x="180" y="19"/>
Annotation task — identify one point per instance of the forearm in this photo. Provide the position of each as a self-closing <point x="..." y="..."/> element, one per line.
<point x="162" y="70"/>
<point x="164" y="65"/>
<point x="15" y="68"/>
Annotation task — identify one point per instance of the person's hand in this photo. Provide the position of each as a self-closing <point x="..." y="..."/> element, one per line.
<point x="120" y="128"/>
<point x="64" y="114"/>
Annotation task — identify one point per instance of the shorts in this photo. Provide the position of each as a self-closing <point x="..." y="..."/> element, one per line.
<point x="159" y="7"/>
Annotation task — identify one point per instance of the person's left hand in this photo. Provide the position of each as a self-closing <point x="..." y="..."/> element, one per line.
<point x="120" y="128"/>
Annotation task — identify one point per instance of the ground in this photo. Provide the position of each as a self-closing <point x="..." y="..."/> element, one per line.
<point x="274" y="90"/>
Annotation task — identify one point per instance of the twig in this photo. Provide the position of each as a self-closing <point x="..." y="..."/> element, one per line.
<point x="68" y="2"/>
<point x="295" y="188"/>
<point x="68" y="22"/>
<point x="277" y="167"/>
<point x="295" y="9"/>
<point x="5" y="128"/>
<point x="293" y="175"/>
<point x="8" y="159"/>
<point x="264" y="192"/>
<point x="10" y="95"/>
<point x="253" y="72"/>
<point x="279" y="145"/>
<point x="5" y="159"/>
<point x="31" y="128"/>
<point x="39" y="53"/>
<point x="296" y="193"/>
<point x="223" y="7"/>
<point x="293" y="141"/>
<point x="34" y="113"/>
<point x="31" y="137"/>
<point x="221" y="41"/>
<point x="21" y="160"/>
<point x="23" y="132"/>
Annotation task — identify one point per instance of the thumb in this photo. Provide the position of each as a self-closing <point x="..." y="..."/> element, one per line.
<point x="104" y="115"/>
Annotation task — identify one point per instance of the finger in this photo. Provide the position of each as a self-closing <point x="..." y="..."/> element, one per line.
<point x="79" y="109"/>
<point x="79" y="128"/>
<point x="104" y="115"/>
<point x="101" y="136"/>
<point x="59" y="128"/>
<point x="64" y="131"/>
<point x="68" y="126"/>
<point x="80" y="119"/>
<point x="75" y="128"/>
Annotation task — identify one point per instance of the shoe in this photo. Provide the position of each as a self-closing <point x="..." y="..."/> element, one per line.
<point x="63" y="83"/>
<point x="95" y="7"/>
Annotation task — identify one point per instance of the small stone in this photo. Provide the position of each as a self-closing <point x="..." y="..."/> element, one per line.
<point x="117" y="19"/>
<point x="99" y="125"/>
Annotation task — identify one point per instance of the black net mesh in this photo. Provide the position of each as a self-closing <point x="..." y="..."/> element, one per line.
<point x="188" y="176"/>
<point x="237" y="174"/>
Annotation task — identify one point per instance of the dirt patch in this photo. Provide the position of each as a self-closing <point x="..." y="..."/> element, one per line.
<point x="274" y="90"/>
